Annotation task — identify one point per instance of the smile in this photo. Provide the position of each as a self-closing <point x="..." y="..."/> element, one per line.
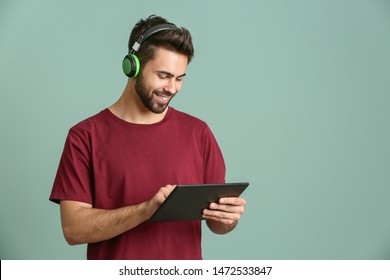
<point x="162" y="98"/>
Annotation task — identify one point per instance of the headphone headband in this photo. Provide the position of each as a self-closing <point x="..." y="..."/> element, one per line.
<point x="149" y="32"/>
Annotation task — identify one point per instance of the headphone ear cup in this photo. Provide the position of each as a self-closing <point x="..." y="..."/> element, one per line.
<point x="131" y="65"/>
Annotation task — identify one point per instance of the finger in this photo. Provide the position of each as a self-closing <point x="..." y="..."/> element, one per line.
<point x="227" y="208"/>
<point x="232" y="201"/>
<point x="167" y="190"/>
<point x="220" y="215"/>
<point x="220" y="220"/>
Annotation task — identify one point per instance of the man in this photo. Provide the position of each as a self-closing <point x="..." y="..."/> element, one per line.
<point x="118" y="166"/>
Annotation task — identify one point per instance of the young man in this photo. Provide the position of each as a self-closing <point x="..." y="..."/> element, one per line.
<point x="118" y="166"/>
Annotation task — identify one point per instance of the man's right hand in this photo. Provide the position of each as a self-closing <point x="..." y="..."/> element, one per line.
<point x="161" y="195"/>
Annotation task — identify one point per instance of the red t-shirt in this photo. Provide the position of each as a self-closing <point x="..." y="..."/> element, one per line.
<point x="110" y="163"/>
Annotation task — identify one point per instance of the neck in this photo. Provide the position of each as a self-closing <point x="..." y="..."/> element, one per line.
<point x="130" y="108"/>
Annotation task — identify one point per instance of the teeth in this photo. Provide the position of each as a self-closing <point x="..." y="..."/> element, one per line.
<point x="162" y="97"/>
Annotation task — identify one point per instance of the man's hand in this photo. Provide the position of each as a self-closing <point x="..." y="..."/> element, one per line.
<point x="223" y="216"/>
<point x="160" y="196"/>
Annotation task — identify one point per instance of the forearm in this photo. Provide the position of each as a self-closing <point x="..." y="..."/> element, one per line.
<point x="83" y="224"/>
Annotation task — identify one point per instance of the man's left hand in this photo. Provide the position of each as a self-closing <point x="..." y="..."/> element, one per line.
<point x="226" y="212"/>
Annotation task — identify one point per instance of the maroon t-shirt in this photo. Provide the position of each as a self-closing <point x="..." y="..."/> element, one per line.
<point x="110" y="163"/>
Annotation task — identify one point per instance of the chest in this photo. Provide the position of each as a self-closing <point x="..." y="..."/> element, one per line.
<point x="130" y="168"/>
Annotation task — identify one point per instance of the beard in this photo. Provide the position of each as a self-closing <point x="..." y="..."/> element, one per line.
<point x="148" y="99"/>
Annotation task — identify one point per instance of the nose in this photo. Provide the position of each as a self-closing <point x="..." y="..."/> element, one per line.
<point x="172" y="86"/>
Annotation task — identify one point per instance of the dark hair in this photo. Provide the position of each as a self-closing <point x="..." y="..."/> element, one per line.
<point x="178" y="40"/>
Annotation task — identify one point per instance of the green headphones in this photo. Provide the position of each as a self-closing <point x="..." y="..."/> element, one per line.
<point x="130" y="63"/>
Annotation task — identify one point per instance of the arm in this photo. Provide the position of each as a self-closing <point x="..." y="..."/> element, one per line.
<point x="222" y="217"/>
<point x="83" y="224"/>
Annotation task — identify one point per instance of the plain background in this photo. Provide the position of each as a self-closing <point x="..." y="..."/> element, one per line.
<point x="296" y="93"/>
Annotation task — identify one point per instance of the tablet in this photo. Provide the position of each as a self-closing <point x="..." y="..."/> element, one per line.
<point x="186" y="202"/>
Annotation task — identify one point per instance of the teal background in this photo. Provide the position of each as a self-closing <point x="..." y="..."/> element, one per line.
<point x="296" y="92"/>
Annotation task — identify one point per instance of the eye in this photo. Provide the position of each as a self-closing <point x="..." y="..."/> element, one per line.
<point x="162" y="76"/>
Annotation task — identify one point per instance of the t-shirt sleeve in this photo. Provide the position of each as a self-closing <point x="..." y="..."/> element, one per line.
<point x="73" y="180"/>
<point x="214" y="164"/>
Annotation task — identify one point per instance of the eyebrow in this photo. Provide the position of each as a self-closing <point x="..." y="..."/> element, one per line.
<point x="170" y="74"/>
